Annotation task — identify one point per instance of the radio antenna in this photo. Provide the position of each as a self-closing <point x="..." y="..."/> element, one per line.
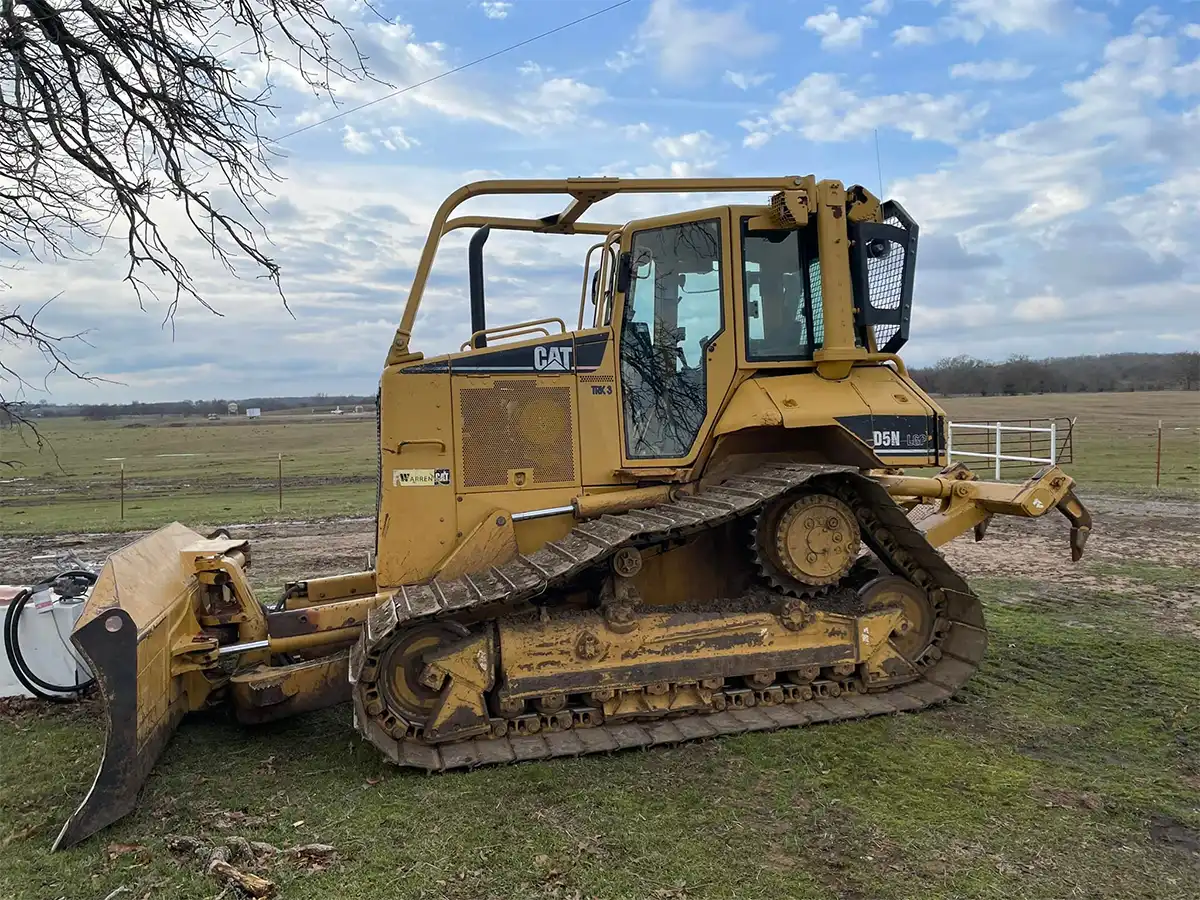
<point x="878" y="164"/>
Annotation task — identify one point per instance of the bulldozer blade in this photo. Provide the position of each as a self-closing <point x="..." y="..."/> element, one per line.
<point x="125" y="632"/>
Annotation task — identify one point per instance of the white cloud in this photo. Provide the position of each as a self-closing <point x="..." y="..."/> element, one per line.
<point x="822" y="109"/>
<point x="971" y="20"/>
<point x="756" y="139"/>
<point x="621" y="61"/>
<point x="745" y="80"/>
<point x="1042" y="308"/>
<point x="397" y="57"/>
<point x="559" y="101"/>
<point x="1054" y="202"/>
<point x="1192" y="30"/>
<point x="394" y="138"/>
<point x="878" y="7"/>
<point x="909" y="35"/>
<point x="1009" y="16"/>
<point x="495" y="9"/>
<point x="992" y="70"/>
<point x="688" y="38"/>
<point x="355" y="141"/>
<point x="389" y="138"/>
<point x="1166" y="218"/>
<point x="838" y="33"/>
<point x="1151" y="21"/>
<point x="690" y="155"/>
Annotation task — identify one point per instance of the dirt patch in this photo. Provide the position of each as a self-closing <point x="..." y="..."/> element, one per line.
<point x="1161" y="536"/>
<point x="1153" y="532"/>
<point x="1060" y="799"/>
<point x="18" y="710"/>
<point x="280" y="550"/>
<point x="1172" y="833"/>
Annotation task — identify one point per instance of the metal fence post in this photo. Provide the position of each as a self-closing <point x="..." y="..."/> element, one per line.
<point x="1158" y="457"/>
<point x="280" y="481"/>
<point x="997" y="451"/>
<point x="1053" y="443"/>
<point x="949" y="443"/>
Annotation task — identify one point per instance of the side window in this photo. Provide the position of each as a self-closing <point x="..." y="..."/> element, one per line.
<point x="783" y="295"/>
<point x="672" y="311"/>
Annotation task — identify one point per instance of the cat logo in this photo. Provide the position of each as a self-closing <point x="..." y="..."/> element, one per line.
<point x="552" y="359"/>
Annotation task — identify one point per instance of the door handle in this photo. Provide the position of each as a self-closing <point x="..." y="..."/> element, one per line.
<point x="400" y="447"/>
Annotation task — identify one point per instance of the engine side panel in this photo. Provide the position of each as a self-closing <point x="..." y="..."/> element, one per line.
<point x="416" y="519"/>
<point x="880" y="419"/>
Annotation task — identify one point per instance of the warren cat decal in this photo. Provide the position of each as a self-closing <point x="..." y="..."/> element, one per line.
<point x="420" y="477"/>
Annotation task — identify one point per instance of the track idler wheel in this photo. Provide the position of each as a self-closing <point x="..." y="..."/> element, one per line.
<point x="892" y="591"/>
<point x="403" y="664"/>
<point x="807" y="543"/>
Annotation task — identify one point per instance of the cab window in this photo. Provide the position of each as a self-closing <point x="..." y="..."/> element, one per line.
<point x="672" y="312"/>
<point x="783" y="294"/>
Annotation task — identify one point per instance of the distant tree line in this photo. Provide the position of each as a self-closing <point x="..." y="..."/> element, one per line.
<point x="962" y="375"/>
<point x="965" y="375"/>
<point x="188" y="408"/>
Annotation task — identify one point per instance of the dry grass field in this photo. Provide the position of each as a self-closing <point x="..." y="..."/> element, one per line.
<point x="1115" y="434"/>
<point x="1069" y="766"/>
<point x="217" y="472"/>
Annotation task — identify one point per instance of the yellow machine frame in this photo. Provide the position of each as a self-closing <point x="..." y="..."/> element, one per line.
<point x="173" y="625"/>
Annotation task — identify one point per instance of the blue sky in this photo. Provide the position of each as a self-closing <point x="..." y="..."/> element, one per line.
<point x="1049" y="150"/>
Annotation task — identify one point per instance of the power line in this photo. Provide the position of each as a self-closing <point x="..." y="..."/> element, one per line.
<point x="439" y="76"/>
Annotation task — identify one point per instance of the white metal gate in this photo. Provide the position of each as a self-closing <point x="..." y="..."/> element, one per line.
<point x="986" y="441"/>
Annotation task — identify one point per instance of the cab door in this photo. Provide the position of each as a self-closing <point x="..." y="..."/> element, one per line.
<point x="675" y="335"/>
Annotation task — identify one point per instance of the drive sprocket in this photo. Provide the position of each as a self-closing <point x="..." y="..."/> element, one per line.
<point x="805" y="544"/>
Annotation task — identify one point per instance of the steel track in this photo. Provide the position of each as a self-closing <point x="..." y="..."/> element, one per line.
<point x="958" y="645"/>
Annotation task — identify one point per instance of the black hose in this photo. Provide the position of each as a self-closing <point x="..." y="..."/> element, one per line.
<point x="12" y="648"/>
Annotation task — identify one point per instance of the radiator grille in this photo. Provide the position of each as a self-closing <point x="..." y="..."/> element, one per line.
<point x="517" y="424"/>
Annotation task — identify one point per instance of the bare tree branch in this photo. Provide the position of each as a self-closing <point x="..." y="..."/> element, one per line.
<point x="108" y="107"/>
<point x="23" y="331"/>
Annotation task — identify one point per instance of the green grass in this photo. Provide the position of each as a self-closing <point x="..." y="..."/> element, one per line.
<point x="329" y="468"/>
<point x="75" y="514"/>
<point x="1115" y="436"/>
<point x="1040" y="781"/>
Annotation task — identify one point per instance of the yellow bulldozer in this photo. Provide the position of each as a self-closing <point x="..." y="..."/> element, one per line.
<point x="687" y="516"/>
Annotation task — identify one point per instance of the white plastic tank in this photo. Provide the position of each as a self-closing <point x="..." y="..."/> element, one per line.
<point x="44" y="636"/>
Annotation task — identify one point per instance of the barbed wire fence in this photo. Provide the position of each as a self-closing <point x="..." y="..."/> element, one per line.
<point x="127" y="492"/>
